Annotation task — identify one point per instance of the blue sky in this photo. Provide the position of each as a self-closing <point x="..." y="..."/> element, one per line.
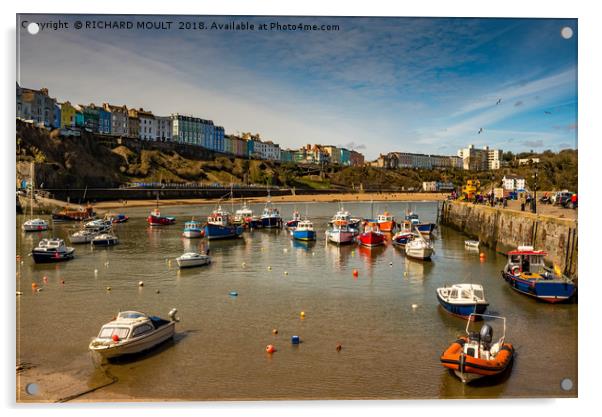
<point x="377" y="85"/>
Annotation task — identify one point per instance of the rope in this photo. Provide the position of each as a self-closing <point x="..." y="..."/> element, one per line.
<point x="113" y="379"/>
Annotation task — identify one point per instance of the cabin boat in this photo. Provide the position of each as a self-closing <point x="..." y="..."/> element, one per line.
<point x="291" y="224"/>
<point x="343" y="216"/>
<point x="105" y="239"/>
<point x="372" y="236"/>
<point x="35" y="225"/>
<point x="133" y="332"/>
<point x="270" y="218"/>
<point x="156" y="219"/>
<point x="219" y="226"/>
<point x="423" y="228"/>
<point x="462" y="299"/>
<point x="90" y="230"/>
<point x="191" y="259"/>
<point x="471" y="244"/>
<point x="341" y="233"/>
<point x="401" y="238"/>
<point x="304" y="231"/>
<point x="419" y="248"/>
<point x="52" y="250"/>
<point x="386" y="222"/>
<point x="116" y="218"/>
<point x="98" y="224"/>
<point x="244" y="216"/>
<point x="526" y="272"/>
<point x="79" y="214"/>
<point x="475" y="355"/>
<point x="192" y="229"/>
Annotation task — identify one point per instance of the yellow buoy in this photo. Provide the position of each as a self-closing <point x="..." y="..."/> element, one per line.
<point x="269" y="268"/>
<point x="302" y="314"/>
<point x="285" y="272"/>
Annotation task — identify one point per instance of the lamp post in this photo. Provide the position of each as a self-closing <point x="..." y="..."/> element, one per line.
<point x="492" y="199"/>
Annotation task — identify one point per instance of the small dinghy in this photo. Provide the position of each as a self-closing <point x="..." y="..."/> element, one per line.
<point x="475" y="356"/>
<point x="133" y="332"/>
<point x="52" y="250"/>
<point x="105" y="239"/>
<point x="463" y="300"/>
<point x="191" y="259"/>
<point x="35" y="225"/>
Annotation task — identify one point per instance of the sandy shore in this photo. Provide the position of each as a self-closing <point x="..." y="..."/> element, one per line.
<point x="323" y="198"/>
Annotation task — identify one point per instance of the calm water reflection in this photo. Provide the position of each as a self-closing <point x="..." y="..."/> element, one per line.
<point x="390" y="350"/>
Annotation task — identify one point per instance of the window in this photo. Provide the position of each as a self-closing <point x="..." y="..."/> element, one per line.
<point x="108" y="332"/>
<point x="142" y="329"/>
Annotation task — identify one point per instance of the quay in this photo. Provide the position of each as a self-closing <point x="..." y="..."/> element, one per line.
<point x="503" y="229"/>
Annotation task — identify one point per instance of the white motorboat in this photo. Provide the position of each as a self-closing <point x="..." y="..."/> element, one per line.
<point x="52" y="250"/>
<point x="191" y="259"/>
<point x="105" y="239"/>
<point x="35" y="225"/>
<point x="471" y="244"/>
<point x="419" y="248"/>
<point x="463" y="299"/>
<point x="133" y="332"/>
<point x="341" y="233"/>
<point x="99" y="224"/>
<point x="83" y="236"/>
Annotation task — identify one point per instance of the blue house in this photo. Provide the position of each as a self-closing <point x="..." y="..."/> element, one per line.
<point x="104" y="121"/>
<point x="56" y="123"/>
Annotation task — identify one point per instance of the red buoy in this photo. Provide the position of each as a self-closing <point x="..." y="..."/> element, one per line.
<point x="45" y="278"/>
<point x="270" y="349"/>
<point x="355" y="273"/>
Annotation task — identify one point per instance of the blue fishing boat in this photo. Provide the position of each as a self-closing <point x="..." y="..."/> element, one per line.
<point x="219" y="226"/>
<point x="423" y="228"/>
<point x="304" y="231"/>
<point x="193" y="229"/>
<point x="526" y="273"/>
<point x="463" y="299"/>
<point x="271" y="218"/>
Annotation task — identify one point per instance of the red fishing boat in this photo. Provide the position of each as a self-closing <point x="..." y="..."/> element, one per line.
<point x="156" y="219"/>
<point x="372" y="235"/>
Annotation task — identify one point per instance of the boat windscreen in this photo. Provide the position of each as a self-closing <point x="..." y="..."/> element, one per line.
<point x="108" y="332"/>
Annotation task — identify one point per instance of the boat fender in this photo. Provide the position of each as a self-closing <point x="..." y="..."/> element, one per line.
<point x="172" y="315"/>
<point x="515" y="270"/>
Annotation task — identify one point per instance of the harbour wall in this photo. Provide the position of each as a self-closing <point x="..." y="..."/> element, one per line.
<point x="504" y="230"/>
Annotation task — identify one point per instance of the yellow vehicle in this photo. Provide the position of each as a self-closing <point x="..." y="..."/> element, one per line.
<point x="470" y="189"/>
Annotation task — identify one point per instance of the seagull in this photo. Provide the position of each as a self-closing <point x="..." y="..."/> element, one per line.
<point x="499" y="100"/>
<point x="547" y="112"/>
<point x="480" y="130"/>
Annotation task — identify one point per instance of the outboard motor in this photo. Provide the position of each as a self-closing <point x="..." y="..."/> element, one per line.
<point x="486" y="335"/>
<point x="172" y="315"/>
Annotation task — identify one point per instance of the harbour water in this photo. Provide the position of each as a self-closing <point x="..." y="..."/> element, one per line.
<point x="390" y="349"/>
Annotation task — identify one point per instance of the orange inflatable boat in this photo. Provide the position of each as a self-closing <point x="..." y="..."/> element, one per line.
<point x="475" y="356"/>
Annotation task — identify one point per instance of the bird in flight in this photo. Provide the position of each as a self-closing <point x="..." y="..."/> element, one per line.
<point x="499" y="100"/>
<point x="480" y="130"/>
<point x="547" y="112"/>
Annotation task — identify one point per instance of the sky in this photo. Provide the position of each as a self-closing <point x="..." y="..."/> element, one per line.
<point x="426" y="85"/>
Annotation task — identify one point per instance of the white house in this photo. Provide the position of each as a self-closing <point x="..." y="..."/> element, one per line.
<point x="513" y="183"/>
<point x="163" y="128"/>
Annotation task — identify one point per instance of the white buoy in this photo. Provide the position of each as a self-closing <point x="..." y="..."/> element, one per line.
<point x="269" y="268"/>
<point x="285" y="272"/>
<point x="285" y="250"/>
<point x="414" y="306"/>
<point x="244" y="264"/>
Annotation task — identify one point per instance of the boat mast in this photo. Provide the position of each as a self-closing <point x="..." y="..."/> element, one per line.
<point x="31" y="188"/>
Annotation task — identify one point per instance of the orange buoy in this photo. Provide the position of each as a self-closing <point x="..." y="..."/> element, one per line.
<point x="302" y="314"/>
<point x="34" y="285"/>
<point x="339" y="347"/>
<point x="18" y="257"/>
<point x="482" y="255"/>
<point x="270" y="349"/>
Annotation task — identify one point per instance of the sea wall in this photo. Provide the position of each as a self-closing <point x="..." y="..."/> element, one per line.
<point x="504" y="230"/>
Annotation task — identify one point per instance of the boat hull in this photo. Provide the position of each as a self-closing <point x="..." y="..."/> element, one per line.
<point x="271" y="222"/>
<point x="160" y="220"/>
<point x="469" y="368"/>
<point x="425" y="228"/>
<point x="419" y="253"/>
<point x="214" y="231"/>
<point x="304" y="235"/>
<point x="191" y="263"/>
<point x="130" y="347"/>
<point x="192" y="233"/>
<point x="41" y="257"/>
<point x="551" y="291"/>
<point x="34" y="227"/>
<point x="386" y="226"/>
<point x="341" y="238"/>
<point x="463" y="310"/>
<point x="105" y="242"/>
<point x="371" y="239"/>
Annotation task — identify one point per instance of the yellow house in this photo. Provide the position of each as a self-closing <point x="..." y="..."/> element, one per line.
<point x="67" y="115"/>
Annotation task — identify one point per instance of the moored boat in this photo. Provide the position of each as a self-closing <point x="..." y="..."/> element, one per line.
<point x="35" y="225"/>
<point x="133" y="332"/>
<point x="344" y="216"/>
<point x="471" y="244"/>
<point x="292" y="223"/>
<point x="105" y="239"/>
<point x="423" y="228"/>
<point x="463" y="299"/>
<point x="156" y="219"/>
<point x="191" y="259"/>
<point x="401" y="238"/>
<point x="475" y="356"/>
<point x="219" y="226"/>
<point x="304" y="231"/>
<point x="116" y="217"/>
<point x="371" y="236"/>
<point x="340" y="233"/>
<point x="192" y="229"/>
<point x="419" y="248"/>
<point x="386" y="222"/>
<point x="526" y="272"/>
<point x="52" y="250"/>
<point x="244" y="217"/>
<point x="270" y="217"/>
<point x="79" y="214"/>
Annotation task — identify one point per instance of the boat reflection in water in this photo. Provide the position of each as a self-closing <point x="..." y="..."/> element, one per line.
<point x="339" y="255"/>
<point x="303" y="244"/>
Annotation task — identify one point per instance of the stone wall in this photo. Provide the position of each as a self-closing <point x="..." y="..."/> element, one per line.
<point x="504" y="230"/>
